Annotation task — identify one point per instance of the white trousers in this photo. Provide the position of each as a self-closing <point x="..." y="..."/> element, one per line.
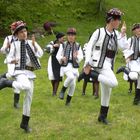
<point x="134" y="74"/>
<point x="10" y="70"/>
<point x="24" y="83"/>
<point x="70" y="82"/>
<point x="9" y="74"/>
<point x="108" y="81"/>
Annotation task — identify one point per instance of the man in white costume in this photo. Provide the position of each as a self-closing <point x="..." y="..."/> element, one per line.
<point x="132" y="56"/>
<point x="24" y="54"/>
<point x="101" y="50"/>
<point x="69" y="56"/>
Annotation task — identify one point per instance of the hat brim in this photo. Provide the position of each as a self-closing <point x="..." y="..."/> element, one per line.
<point x="135" y="28"/>
<point x="60" y="35"/>
<point x="71" y="33"/>
<point x="19" y="29"/>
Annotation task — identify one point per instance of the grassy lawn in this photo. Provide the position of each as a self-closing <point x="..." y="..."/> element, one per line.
<point x="52" y="120"/>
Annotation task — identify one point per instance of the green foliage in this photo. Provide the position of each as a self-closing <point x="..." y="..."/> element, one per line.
<point x="35" y="13"/>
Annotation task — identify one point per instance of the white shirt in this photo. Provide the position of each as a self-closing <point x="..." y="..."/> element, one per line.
<point x="14" y="54"/>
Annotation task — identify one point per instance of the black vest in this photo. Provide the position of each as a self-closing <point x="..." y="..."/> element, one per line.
<point x="70" y="49"/>
<point x="105" y="49"/>
<point x="135" y="45"/>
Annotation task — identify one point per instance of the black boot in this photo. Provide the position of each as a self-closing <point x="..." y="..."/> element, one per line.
<point x="123" y="69"/>
<point x="83" y="94"/>
<point x="94" y="75"/>
<point x="62" y="92"/>
<point x="5" y="83"/>
<point x="3" y="76"/>
<point x="24" y="124"/>
<point x="137" y="97"/>
<point x="103" y="115"/>
<point x="16" y="100"/>
<point x="68" y="100"/>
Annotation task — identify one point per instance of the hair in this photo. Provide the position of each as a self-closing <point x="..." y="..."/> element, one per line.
<point x="112" y="17"/>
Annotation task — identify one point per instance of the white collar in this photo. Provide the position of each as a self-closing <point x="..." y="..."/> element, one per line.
<point x="109" y="33"/>
<point x="26" y="41"/>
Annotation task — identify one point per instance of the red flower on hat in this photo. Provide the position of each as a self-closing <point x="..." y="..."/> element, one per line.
<point x="15" y="25"/>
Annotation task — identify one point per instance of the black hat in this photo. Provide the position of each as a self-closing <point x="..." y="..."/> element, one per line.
<point x="114" y="13"/>
<point x="59" y="35"/>
<point x="135" y="26"/>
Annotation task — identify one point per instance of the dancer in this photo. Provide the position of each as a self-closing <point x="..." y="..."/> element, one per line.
<point x="53" y="64"/>
<point x="69" y="56"/>
<point x="24" y="55"/>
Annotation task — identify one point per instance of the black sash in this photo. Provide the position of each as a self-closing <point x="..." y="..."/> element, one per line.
<point x="33" y="58"/>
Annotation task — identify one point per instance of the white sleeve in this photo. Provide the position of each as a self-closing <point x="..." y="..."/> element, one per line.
<point x="39" y="52"/>
<point x="129" y="51"/>
<point x="11" y="55"/>
<point x="59" y="55"/>
<point x="90" y="44"/>
<point x="80" y="55"/>
<point x="4" y="48"/>
<point x="129" y="42"/>
<point x="122" y="42"/>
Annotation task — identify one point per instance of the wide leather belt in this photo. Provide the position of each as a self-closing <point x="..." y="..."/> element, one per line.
<point x="26" y="68"/>
<point x="70" y="61"/>
<point x="110" y="54"/>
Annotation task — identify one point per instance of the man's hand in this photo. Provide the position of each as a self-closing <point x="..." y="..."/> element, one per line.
<point x="87" y="69"/>
<point x="128" y="59"/>
<point x="56" y="45"/>
<point x="33" y="40"/>
<point x="75" y="54"/>
<point x="64" y="59"/>
<point x="15" y="61"/>
<point x="123" y="29"/>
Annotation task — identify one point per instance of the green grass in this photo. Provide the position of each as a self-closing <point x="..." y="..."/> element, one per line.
<point x="52" y="120"/>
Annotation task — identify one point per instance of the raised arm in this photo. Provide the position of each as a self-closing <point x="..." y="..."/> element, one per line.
<point x="39" y="51"/>
<point x="79" y="55"/>
<point x="5" y="47"/>
<point x="59" y="55"/>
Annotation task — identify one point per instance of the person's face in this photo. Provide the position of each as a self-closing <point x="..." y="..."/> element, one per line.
<point x="71" y="38"/>
<point x="22" y="34"/>
<point x="137" y="32"/>
<point x="62" y="39"/>
<point x="115" y="23"/>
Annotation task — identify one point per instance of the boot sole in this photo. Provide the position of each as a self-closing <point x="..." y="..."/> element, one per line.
<point x="27" y="130"/>
<point x="61" y="98"/>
